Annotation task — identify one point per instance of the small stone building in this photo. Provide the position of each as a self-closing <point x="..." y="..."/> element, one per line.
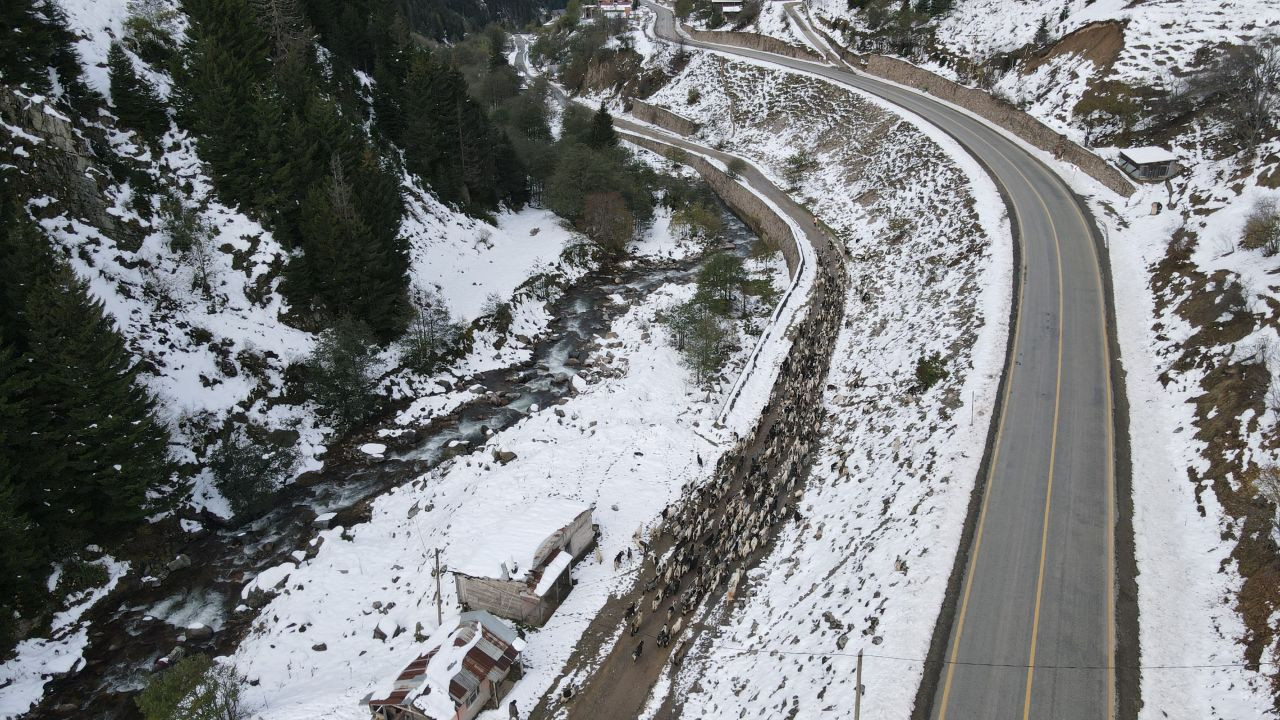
<point x="517" y="566"/>
<point x="468" y="671"/>
<point x="1148" y="163"/>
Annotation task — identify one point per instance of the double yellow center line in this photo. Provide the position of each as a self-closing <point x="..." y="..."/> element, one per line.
<point x="1044" y="533"/>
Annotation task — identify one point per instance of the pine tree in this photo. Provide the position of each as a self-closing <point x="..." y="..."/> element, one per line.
<point x="602" y="134"/>
<point x="87" y="447"/>
<point x="100" y="448"/>
<point x="21" y="556"/>
<point x="22" y="549"/>
<point x="452" y="144"/>
<point x="36" y="50"/>
<point x="135" y="100"/>
<point x="353" y="261"/>
<point x="1042" y="32"/>
<point x="341" y="373"/>
<point x="224" y="72"/>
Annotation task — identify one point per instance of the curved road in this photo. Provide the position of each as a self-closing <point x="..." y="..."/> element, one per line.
<point x="1034" y="630"/>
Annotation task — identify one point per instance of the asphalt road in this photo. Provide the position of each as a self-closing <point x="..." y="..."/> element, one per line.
<point x="1034" y="632"/>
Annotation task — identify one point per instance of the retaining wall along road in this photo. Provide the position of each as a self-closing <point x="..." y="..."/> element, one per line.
<point x="663" y="118"/>
<point x="751" y="41"/>
<point x="998" y="112"/>
<point x="995" y="111"/>
<point x="759" y="217"/>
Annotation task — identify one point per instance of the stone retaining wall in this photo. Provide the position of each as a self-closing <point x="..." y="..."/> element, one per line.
<point x="761" y="218"/>
<point x="663" y="118"/>
<point x="989" y="108"/>
<point x="975" y="101"/>
<point x="751" y="41"/>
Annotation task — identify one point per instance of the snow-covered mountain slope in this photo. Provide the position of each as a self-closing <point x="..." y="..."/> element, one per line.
<point x="1143" y="44"/>
<point x="883" y="506"/>
<point x="211" y="355"/>
<point x="209" y="325"/>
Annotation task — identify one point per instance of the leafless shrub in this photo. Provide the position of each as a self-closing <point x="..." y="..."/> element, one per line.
<point x="1234" y="297"/>
<point x="1262" y="227"/>
<point x="1264" y="481"/>
<point x="1273" y="398"/>
<point x="1243" y="86"/>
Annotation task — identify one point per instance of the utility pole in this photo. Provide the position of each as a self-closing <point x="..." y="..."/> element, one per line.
<point x="857" y="697"/>
<point x="439" y="601"/>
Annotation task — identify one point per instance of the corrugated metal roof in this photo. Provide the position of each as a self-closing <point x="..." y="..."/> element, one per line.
<point x="495" y="650"/>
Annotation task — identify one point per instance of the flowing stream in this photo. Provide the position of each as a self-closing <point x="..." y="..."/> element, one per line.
<point x="146" y="618"/>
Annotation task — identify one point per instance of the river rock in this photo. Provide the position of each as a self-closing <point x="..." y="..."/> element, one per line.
<point x="198" y="633"/>
<point x="181" y="562"/>
<point x="504" y="456"/>
<point x="320" y="647"/>
<point x="258" y="598"/>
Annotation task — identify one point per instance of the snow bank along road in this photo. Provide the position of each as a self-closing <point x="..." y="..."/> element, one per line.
<point x="1034" y="631"/>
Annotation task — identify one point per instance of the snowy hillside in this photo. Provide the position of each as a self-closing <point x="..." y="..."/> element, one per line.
<point x="887" y="495"/>
<point x="208" y="325"/>
<point x="1193" y="300"/>
<point x="211" y="355"/>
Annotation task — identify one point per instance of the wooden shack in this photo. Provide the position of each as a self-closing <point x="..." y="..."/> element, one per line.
<point x="519" y="567"/>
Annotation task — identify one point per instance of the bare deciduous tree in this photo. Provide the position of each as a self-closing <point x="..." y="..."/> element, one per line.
<point x="608" y="222"/>
<point x="1244" y="86"/>
<point x="1266" y="483"/>
<point x="431" y="335"/>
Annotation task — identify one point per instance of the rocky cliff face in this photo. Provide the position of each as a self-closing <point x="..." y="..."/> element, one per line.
<point x="47" y="147"/>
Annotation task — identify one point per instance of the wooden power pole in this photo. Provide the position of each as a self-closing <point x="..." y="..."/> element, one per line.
<point x="857" y="689"/>
<point x="439" y="601"/>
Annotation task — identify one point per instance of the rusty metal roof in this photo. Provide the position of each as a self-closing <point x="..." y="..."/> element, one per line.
<point x="491" y="657"/>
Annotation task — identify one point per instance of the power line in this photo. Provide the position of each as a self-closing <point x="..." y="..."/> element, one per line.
<point x="923" y="661"/>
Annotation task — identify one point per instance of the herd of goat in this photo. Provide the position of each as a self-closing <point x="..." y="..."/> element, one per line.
<point x="707" y="539"/>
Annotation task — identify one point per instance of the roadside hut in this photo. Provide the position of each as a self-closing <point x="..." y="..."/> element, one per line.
<point x="616" y="9"/>
<point x="730" y="9"/>
<point x="1148" y="163"/>
<point x="516" y="565"/>
<point x="469" y="670"/>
